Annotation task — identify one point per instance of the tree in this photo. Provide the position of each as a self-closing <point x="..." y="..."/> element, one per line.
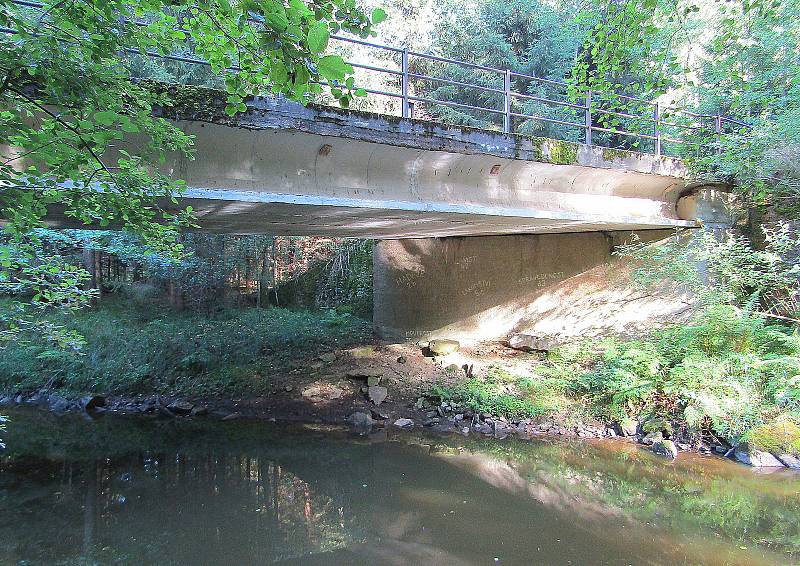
<point x="67" y="98"/>
<point x="736" y="59"/>
<point x="530" y="37"/>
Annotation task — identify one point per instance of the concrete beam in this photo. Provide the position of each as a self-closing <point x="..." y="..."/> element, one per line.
<point x="260" y="178"/>
<point x="286" y="169"/>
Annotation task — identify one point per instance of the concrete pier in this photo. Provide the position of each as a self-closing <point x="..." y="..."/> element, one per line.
<point x="487" y="287"/>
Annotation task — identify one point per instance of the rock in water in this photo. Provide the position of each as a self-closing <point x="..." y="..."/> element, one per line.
<point x="377" y="394"/>
<point x="652" y="437"/>
<point x="199" y="411"/>
<point x="789" y="460"/>
<point x="180" y="407"/>
<point x="443" y="347"/>
<point x="58" y="404"/>
<point x="377" y="415"/>
<point x="92" y="402"/>
<point x="360" y="420"/>
<point x="628" y="427"/>
<point x="373" y="380"/>
<point x="404" y="423"/>
<point x="665" y="448"/>
<point x="756" y="458"/>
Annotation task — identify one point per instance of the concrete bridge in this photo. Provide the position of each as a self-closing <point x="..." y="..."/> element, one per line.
<point x="475" y="227"/>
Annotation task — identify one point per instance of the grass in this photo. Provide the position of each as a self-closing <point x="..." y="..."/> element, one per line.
<point x="505" y="394"/>
<point x="154" y="350"/>
<point x="729" y="375"/>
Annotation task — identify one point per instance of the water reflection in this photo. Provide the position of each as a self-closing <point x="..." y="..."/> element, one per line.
<point x="121" y="491"/>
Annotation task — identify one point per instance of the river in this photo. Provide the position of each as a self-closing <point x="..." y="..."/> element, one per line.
<point x="123" y="490"/>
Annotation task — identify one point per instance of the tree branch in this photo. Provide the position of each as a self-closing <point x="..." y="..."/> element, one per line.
<point x="69" y="127"/>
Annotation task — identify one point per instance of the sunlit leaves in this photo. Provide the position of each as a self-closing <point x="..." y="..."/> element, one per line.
<point x="379" y="15"/>
<point x="318" y="37"/>
<point x="69" y="106"/>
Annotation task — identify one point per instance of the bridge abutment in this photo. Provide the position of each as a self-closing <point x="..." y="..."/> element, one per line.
<point x="475" y="287"/>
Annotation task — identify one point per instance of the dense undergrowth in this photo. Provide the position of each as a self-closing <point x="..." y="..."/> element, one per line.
<point x="146" y="349"/>
<point x="729" y="375"/>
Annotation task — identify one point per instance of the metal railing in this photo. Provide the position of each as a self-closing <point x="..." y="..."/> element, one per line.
<point x="601" y="119"/>
<point x="590" y="112"/>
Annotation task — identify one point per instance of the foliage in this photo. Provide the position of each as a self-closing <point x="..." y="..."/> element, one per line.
<point x="340" y="280"/>
<point x="748" y="73"/>
<point x="733" y="271"/>
<point x="729" y="370"/>
<point x="69" y="107"/>
<point x="529" y="37"/>
<point x="234" y="351"/>
<point x="725" y="374"/>
<point x="504" y="394"/>
<point x="735" y="59"/>
<point x="779" y="436"/>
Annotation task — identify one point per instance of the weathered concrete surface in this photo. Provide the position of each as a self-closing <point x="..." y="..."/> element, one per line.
<point x="476" y="288"/>
<point x="282" y="168"/>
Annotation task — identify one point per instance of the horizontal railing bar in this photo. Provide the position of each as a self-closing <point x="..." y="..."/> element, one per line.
<point x="624" y="115"/>
<point x="366" y="43"/>
<point x="674" y="140"/>
<point x="456" y="104"/>
<point x="733" y="120"/>
<point x="376" y="69"/>
<point x="455" y="62"/>
<point x="551" y="120"/>
<point x="549" y="101"/>
<point x="457" y="83"/>
<point x="622" y="132"/>
<point x="539" y="79"/>
<point x="381" y="92"/>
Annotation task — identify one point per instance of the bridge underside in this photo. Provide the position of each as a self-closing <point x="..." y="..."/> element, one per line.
<point x="264" y="213"/>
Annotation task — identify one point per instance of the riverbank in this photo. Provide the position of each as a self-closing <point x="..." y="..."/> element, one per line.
<point x="724" y="384"/>
<point x="374" y="386"/>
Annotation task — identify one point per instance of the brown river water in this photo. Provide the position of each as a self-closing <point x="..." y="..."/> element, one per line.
<point x="118" y="490"/>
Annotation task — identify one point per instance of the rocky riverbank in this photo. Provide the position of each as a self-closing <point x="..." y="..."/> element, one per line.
<point x="426" y="413"/>
<point x="395" y="385"/>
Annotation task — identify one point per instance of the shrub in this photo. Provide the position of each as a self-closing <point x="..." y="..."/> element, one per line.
<point x="504" y="394"/>
<point x="779" y="436"/>
<point x="133" y="351"/>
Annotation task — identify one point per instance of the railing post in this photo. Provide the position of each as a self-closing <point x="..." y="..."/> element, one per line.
<point x="718" y="132"/>
<point x="404" y="86"/>
<point x="507" y="102"/>
<point x="588" y="117"/>
<point x="657" y="128"/>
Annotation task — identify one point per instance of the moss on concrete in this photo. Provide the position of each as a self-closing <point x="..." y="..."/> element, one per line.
<point x="562" y="152"/>
<point x="610" y="154"/>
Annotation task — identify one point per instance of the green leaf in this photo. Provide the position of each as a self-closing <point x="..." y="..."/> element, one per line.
<point x="106" y="118"/>
<point x="318" y="37"/>
<point x="379" y="15"/>
<point x="333" y="67"/>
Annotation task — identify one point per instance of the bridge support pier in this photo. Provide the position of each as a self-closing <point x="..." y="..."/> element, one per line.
<point x="476" y="287"/>
<point x="487" y="287"/>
